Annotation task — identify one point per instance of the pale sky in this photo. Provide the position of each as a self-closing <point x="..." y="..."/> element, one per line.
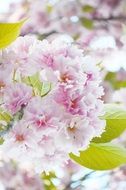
<point x="4" y="4"/>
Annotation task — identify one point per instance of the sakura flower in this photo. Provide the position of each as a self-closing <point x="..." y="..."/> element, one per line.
<point x="71" y="99"/>
<point x="6" y="56"/>
<point x="14" y="177"/>
<point x="48" y="144"/>
<point x="54" y="161"/>
<point x="42" y="115"/>
<point x="46" y="54"/>
<point x="70" y="73"/>
<point x="19" y="141"/>
<point x="15" y="96"/>
<point x="25" y="46"/>
<point x="75" y="135"/>
<point x="5" y="74"/>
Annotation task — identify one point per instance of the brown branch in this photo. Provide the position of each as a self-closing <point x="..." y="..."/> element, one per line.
<point x="111" y="18"/>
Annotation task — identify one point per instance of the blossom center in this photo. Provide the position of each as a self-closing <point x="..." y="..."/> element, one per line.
<point x="20" y="138"/>
<point x="64" y="78"/>
<point x="2" y="84"/>
<point x="41" y="122"/>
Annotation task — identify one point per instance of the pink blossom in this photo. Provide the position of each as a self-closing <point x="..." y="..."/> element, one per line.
<point x="14" y="177"/>
<point x="71" y="99"/>
<point x="5" y="74"/>
<point x="44" y="117"/>
<point x="16" y="96"/>
<point x="75" y="135"/>
<point x="22" y="60"/>
<point x="19" y="141"/>
<point x="54" y="161"/>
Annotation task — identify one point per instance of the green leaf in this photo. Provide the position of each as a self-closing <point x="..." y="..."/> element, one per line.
<point x="4" y="116"/>
<point x="49" y="8"/>
<point x="102" y="156"/>
<point x="87" y="23"/>
<point x="88" y="9"/>
<point x="39" y="88"/>
<point x="115" y="123"/>
<point x="112" y="78"/>
<point x="9" y="32"/>
<point x="48" y="181"/>
<point x="1" y="140"/>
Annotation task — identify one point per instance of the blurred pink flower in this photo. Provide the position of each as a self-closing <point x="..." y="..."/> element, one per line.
<point x="16" y="96"/>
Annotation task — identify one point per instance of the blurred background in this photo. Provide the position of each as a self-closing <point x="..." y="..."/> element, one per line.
<point x="99" y="27"/>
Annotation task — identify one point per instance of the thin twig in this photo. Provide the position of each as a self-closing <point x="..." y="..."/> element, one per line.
<point x="111" y="18"/>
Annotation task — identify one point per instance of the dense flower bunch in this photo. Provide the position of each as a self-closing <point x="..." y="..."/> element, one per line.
<point x="12" y="177"/>
<point x="53" y="95"/>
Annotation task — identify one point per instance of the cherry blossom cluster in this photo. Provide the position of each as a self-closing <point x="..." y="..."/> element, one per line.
<point x="13" y="177"/>
<point x="53" y="94"/>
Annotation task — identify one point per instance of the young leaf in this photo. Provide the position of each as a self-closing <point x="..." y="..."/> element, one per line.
<point x="5" y="120"/>
<point x="39" y="88"/>
<point x="4" y="116"/>
<point x="1" y="140"/>
<point x="115" y="123"/>
<point x="111" y="77"/>
<point x="9" y="32"/>
<point x="87" y="23"/>
<point x="48" y="181"/>
<point x="88" y="9"/>
<point x="102" y="156"/>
